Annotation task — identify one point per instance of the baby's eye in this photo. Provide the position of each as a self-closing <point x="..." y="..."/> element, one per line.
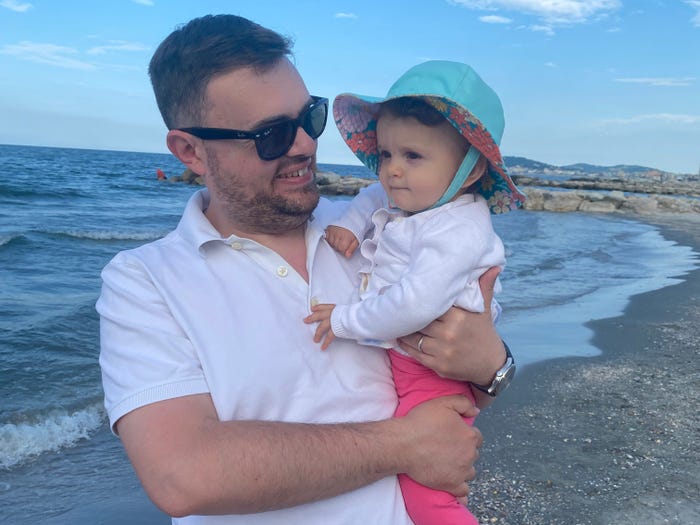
<point x="413" y="155"/>
<point x="383" y="154"/>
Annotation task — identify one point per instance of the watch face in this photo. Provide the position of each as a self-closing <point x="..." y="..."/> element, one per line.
<point x="504" y="378"/>
<point x="508" y="377"/>
<point x="510" y="373"/>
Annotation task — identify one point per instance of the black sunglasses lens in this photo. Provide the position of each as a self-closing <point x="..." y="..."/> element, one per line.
<point x="315" y="120"/>
<point x="276" y="141"/>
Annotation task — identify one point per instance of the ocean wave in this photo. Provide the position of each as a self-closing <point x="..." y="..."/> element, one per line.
<point x="56" y="430"/>
<point x="7" y="239"/>
<point x="28" y="192"/>
<point x="109" y="235"/>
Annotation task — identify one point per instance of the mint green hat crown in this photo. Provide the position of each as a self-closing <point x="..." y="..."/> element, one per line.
<point x="465" y="100"/>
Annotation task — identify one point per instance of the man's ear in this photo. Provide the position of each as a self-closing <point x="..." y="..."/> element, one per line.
<point x="478" y="172"/>
<point x="188" y="149"/>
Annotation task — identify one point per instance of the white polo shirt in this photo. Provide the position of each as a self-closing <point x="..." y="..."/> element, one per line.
<point x="196" y="313"/>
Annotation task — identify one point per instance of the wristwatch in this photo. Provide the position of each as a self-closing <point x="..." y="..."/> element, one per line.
<point x="503" y="376"/>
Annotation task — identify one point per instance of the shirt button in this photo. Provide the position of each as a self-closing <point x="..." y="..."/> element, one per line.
<point x="314" y="301"/>
<point x="282" y="271"/>
<point x="236" y="245"/>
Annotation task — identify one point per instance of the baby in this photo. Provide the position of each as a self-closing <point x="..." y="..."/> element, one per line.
<point x="433" y="141"/>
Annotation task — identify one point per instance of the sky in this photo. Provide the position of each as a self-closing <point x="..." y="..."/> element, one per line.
<point x="603" y="82"/>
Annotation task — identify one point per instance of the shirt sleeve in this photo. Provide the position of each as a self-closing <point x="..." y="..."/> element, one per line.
<point x="447" y="259"/>
<point x="358" y="217"/>
<point x="145" y="356"/>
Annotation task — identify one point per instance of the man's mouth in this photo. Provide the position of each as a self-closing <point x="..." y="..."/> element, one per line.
<point x="294" y="174"/>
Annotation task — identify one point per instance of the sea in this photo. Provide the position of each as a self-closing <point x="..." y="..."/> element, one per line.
<point x="64" y="213"/>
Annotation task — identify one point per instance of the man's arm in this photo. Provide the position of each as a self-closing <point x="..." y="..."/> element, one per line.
<point x="191" y="463"/>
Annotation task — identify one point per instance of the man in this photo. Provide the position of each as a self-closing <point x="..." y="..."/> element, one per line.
<point x="224" y="404"/>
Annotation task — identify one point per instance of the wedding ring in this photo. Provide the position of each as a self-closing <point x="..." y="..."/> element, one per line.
<point x="420" y="344"/>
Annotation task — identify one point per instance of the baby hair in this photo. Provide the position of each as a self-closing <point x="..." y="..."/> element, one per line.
<point x="414" y="107"/>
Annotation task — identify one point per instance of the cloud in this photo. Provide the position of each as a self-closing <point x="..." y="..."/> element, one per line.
<point x="149" y="3"/>
<point x="659" y="118"/>
<point x="345" y="15"/>
<point x="695" y="4"/>
<point x="14" y="5"/>
<point x="550" y="11"/>
<point x="50" y="54"/>
<point x="659" y="81"/>
<point x="494" y="19"/>
<point x="117" y="45"/>
<point x="547" y="30"/>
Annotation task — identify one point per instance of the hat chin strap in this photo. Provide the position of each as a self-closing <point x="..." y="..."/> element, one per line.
<point x="465" y="169"/>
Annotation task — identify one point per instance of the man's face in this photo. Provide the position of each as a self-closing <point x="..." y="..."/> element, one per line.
<point x="250" y="195"/>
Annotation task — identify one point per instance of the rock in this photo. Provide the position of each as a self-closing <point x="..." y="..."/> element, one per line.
<point x="190" y="177"/>
<point x="598" y="206"/>
<point x="187" y="176"/>
<point x="330" y="183"/>
<point x="562" y="201"/>
<point x="640" y="204"/>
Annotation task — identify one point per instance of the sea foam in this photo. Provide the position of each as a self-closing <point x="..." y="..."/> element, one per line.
<point x="58" y="429"/>
<point x="110" y="235"/>
<point x="7" y="239"/>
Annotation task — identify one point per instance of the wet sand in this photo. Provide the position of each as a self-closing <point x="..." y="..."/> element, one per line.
<point x="609" y="439"/>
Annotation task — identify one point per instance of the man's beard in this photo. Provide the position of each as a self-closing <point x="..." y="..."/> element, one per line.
<point x="262" y="211"/>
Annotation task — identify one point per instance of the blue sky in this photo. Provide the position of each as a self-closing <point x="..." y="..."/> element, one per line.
<point x="601" y="81"/>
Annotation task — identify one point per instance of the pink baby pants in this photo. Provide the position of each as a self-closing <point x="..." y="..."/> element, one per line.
<point x="415" y="384"/>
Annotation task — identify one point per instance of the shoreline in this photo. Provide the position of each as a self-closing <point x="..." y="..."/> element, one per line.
<point x="608" y="439"/>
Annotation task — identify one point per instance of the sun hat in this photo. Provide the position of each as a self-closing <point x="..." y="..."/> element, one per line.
<point x="457" y="92"/>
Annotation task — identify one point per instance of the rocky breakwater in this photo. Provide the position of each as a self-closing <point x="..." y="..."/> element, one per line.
<point x="581" y="187"/>
<point x="644" y="193"/>
<point x="635" y="195"/>
<point x="328" y="182"/>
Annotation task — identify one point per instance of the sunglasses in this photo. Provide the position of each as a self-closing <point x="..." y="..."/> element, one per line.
<point x="275" y="140"/>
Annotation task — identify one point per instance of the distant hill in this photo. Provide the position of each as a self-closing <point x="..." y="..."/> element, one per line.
<point x="525" y="166"/>
<point x="591" y="168"/>
<point x="527" y="163"/>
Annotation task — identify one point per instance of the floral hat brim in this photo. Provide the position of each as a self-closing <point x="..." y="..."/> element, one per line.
<point x="356" y="119"/>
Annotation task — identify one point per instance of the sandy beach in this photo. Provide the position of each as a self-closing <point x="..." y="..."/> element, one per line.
<point x="609" y="439"/>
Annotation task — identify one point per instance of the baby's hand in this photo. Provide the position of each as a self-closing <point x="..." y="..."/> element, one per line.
<point x="342" y="240"/>
<point x="322" y="315"/>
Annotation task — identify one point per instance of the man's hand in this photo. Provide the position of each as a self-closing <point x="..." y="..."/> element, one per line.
<point x="445" y="448"/>
<point x="342" y="240"/>
<point x="321" y="314"/>
<point x="461" y="345"/>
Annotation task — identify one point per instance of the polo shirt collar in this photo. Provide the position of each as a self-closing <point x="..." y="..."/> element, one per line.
<point x="194" y="227"/>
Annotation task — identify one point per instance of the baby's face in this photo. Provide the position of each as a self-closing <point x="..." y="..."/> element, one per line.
<point x="417" y="162"/>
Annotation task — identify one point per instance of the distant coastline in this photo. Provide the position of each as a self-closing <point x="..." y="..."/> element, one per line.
<point x="636" y="190"/>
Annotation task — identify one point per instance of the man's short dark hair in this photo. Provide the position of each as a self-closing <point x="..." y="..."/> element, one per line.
<point x="202" y="49"/>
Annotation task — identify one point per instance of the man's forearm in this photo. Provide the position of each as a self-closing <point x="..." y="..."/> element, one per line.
<point x="279" y="465"/>
<point x="191" y="463"/>
<point x="199" y="465"/>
